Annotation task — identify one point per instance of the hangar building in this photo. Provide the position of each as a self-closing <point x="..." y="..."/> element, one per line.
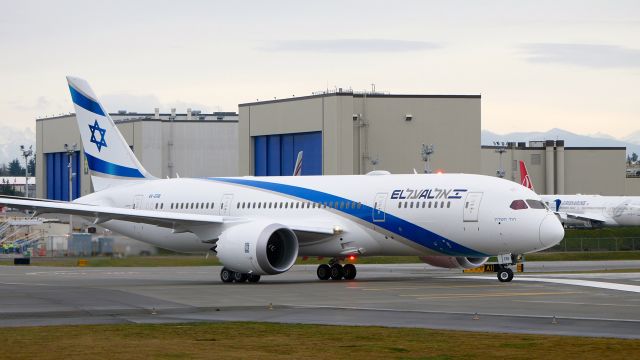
<point x="346" y="132"/>
<point x="556" y="169"/>
<point x="192" y="144"/>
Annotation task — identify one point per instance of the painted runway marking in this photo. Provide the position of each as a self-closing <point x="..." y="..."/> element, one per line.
<point x="573" y="303"/>
<point x="575" y="282"/>
<point x="436" y="287"/>
<point x="503" y="294"/>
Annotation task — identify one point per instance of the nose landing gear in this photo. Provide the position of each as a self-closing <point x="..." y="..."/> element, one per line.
<point x="505" y="274"/>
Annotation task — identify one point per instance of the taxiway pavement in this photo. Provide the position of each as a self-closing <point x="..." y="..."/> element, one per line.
<point x="413" y="295"/>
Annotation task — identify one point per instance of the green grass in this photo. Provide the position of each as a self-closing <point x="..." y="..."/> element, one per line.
<point x="583" y="255"/>
<point x="231" y="340"/>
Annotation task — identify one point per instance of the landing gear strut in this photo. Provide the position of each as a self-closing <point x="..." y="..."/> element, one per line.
<point x="229" y="276"/>
<point x="335" y="271"/>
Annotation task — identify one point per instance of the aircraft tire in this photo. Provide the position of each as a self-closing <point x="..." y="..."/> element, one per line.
<point x="349" y="271"/>
<point x="337" y="272"/>
<point x="253" y="278"/>
<point x="324" y="272"/>
<point x="240" y="277"/>
<point x="505" y="275"/>
<point x="226" y="275"/>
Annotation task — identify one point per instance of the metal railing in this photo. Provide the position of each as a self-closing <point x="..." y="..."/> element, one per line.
<point x="598" y="244"/>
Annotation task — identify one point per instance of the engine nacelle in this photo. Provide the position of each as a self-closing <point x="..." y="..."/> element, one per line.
<point x="260" y="248"/>
<point x="453" y="262"/>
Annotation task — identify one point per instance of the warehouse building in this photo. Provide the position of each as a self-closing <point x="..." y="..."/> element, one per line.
<point x="345" y="132"/>
<point x="556" y="169"/>
<point x="191" y="144"/>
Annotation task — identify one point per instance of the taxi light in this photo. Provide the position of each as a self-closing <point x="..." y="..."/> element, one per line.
<point x="439" y="171"/>
<point x="352" y="257"/>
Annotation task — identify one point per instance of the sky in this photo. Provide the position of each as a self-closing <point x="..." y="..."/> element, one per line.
<point x="537" y="64"/>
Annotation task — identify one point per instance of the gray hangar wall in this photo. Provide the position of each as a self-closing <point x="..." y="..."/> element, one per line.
<point x="344" y="133"/>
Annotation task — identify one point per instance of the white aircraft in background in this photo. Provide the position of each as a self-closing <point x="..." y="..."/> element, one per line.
<point x="589" y="210"/>
<point x="260" y="225"/>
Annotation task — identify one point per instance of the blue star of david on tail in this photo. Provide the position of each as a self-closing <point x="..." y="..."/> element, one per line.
<point x="96" y="127"/>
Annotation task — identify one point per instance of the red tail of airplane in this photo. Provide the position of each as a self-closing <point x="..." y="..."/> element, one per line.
<point x="525" y="180"/>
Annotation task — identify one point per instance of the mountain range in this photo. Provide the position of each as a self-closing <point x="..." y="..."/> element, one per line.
<point x="12" y="138"/>
<point x="631" y="142"/>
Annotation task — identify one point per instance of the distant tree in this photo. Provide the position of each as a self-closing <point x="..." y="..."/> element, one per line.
<point x="7" y="189"/>
<point x="15" y="169"/>
<point x="32" y="167"/>
<point x="628" y="160"/>
<point x="4" y="171"/>
<point x="634" y="157"/>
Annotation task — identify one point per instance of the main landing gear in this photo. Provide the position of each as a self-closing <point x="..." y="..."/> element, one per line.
<point x="229" y="276"/>
<point x="335" y="271"/>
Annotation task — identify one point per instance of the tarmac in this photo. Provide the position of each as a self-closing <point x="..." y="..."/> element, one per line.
<point x="601" y="304"/>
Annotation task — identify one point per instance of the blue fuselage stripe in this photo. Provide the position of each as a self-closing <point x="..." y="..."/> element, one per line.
<point x="365" y="213"/>
<point x="84" y="102"/>
<point x="105" y="167"/>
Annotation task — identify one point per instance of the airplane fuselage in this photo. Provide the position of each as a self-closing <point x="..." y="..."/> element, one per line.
<point x="447" y="214"/>
<point x="608" y="210"/>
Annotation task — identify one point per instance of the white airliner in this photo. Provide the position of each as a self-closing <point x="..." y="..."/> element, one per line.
<point x="590" y="210"/>
<point x="260" y="225"/>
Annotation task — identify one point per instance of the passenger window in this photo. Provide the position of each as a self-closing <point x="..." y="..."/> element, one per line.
<point x="448" y="204"/>
<point x="429" y="204"/>
<point x="518" y="205"/>
<point x="535" y="204"/>
<point x="399" y="204"/>
<point x="411" y="205"/>
<point x="441" y="204"/>
<point x="259" y="204"/>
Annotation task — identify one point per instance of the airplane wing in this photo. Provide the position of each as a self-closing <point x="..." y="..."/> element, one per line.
<point x="206" y="227"/>
<point x="101" y="213"/>
<point x="582" y="217"/>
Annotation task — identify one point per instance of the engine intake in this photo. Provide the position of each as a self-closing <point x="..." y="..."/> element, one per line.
<point x="257" y="247"/>
<point x="453" y="262"/>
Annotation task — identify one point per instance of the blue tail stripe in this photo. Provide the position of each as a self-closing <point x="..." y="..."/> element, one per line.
<point x="84" y="102"/>
<point x="392" y="223"/>
<point x="105" y="167"/>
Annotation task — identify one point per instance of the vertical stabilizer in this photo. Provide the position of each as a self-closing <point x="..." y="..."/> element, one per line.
<point x="108" y="155"/>
<point x="525" y="180"/>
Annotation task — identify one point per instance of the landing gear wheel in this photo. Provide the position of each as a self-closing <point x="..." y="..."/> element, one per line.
<point x="240" y="277"/>
<point x="349" y="271"/>
<point x="253" y="278"/>
<point x="505" y="275"/>
<point x="337" y="272"/>
<point x="226" y="275"/>
<point x="324" y="272"/>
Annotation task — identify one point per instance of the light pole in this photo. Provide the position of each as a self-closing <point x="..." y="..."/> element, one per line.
<point x="26" y="153"/>
<point x="70" y="151"/>
<point x="426" y="152"/>
<point x="500" y="149"/>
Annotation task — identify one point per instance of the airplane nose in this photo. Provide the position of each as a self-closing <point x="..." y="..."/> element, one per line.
<point x="551" y="231"/>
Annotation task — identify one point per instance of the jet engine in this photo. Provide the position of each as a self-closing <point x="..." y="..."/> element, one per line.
<point x="259" y="248"/>
<point x="453" y="262"/>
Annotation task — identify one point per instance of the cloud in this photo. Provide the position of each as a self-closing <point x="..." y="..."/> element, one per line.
<point x="10" y="140"/>
<point x="587" y="55"/>
<point x="351" y="45"/>
<point x="41" y="103"/>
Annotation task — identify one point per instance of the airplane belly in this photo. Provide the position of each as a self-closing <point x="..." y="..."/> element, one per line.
<point x="158" y="236"/>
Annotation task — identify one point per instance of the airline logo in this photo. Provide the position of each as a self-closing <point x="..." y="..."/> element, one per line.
<point x="96" y="128"/>
<point x="525" y="180"/>
<point x="427" y="194"/>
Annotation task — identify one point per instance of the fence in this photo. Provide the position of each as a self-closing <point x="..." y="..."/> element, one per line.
<point x="598" y="244"/>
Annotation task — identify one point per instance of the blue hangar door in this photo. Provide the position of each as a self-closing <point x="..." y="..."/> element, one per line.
<point x="275" y="155"/>
<point x="57" y="175"/>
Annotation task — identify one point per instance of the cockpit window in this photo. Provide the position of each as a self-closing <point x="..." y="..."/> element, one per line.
<point x="535" y="204"/>
<point x="518" y="205"/>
